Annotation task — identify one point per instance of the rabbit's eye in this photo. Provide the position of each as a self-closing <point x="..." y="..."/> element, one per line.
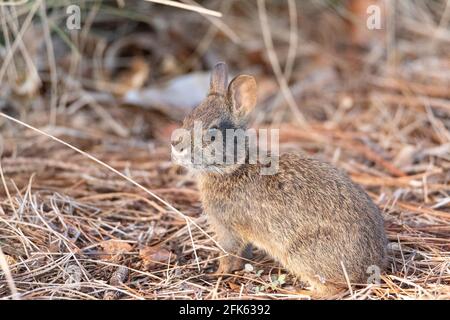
<point x="212" y="132"/>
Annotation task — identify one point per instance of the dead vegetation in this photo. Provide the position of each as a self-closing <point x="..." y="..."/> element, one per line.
<point x="377" y="104"/>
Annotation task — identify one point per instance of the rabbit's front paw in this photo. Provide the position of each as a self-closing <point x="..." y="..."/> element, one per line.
<point x="229" y="264"/>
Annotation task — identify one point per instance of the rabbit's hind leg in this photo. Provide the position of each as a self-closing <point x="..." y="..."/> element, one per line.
<point x="321" y="290"/>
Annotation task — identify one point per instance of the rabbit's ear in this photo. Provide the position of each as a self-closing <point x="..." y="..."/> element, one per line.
<point x="242" y="94"/>
<point x="219" y="79"/>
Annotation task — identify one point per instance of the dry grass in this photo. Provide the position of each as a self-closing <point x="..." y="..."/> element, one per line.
<point x="73" y="228"/>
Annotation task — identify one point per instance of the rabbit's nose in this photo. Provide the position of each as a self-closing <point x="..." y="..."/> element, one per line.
<point x="177" y="145"/>
<point x="178" y="151"/>
<point x="178" y="148"/>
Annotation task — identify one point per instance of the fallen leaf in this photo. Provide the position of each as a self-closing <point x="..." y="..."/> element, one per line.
<point x="175" y="98"/>
<point x="135" y="77"/>
<point x="235" y="287"/>
<point x="154" y="255"/>
<point x="112" y="248"/>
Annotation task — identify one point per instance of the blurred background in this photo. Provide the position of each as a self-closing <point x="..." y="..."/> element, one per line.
<point x="364" y="84"/>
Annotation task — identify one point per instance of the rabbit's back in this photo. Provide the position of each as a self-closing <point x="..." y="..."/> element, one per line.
<point x="310" y="216"/>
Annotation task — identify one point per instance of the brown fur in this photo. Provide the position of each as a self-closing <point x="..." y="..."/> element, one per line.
<point x="309" y="216"/>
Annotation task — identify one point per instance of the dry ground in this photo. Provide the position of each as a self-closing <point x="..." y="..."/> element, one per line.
<point x="72" y="228"/>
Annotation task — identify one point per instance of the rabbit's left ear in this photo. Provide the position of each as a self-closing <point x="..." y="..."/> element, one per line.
<point x="242" y="94"/>
<point x="219" y="79"/>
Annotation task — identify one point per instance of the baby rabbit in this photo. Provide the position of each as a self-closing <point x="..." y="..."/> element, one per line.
<point x="309" y="216"/>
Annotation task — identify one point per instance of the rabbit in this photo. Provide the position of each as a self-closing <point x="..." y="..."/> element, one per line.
<point x="309" y="216"/>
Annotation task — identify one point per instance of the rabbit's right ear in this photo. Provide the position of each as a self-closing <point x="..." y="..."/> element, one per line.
<point x="219" y="79"/>
<point x="242" y="94"/>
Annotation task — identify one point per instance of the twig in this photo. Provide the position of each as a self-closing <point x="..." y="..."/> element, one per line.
<point x="282" y="82"/>
<point x="4" y="266"/>
<point x="188" y="7"/>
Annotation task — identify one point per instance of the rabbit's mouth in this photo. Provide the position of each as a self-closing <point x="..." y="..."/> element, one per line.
<point x="199" y="164"/>
<point x="201" y="167"/>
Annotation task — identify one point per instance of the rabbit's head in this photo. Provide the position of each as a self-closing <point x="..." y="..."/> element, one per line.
<point x="202" y="143"/>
